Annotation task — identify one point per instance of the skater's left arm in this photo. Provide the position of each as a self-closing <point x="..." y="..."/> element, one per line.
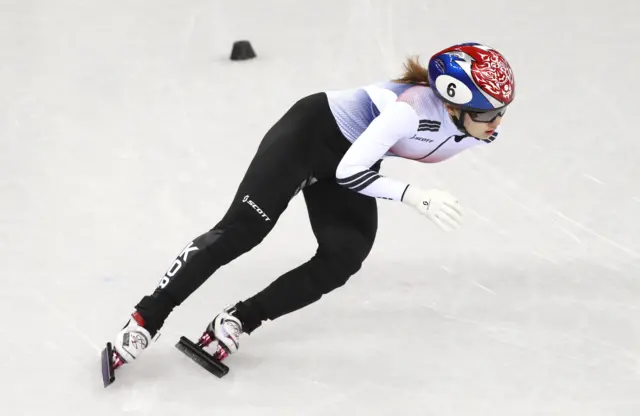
<point x="354" y="171"/>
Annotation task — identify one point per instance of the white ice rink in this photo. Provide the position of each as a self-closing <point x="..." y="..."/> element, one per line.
<point x="124" y="130"/>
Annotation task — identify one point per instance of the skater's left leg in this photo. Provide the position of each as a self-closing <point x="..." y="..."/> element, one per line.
<point x="345" y="225"/>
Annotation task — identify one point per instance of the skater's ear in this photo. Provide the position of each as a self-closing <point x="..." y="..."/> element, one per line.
<point x="453" y="111"/>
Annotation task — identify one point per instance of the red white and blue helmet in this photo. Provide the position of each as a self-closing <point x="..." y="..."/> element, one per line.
<point x="472" y="77"/>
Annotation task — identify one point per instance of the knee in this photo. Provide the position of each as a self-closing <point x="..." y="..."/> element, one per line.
<point x="225" y="242"/>
<point x="244" y="225"/>
<point x="241" y="234"/>
<point x="343" y="259"/>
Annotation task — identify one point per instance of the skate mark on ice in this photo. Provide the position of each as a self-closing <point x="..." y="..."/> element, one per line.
<point x="615" y="244"/>
<point x="616" y="350"/>
<point x="596" y="180"/>
<point x="446" y="269"/>
<point x="572" y="235"/>
<point x="486" y="289"/>
<point x="548" y="207"/>
<point x="488" y="221"/>
<point x="544" y="257"/>
<point x="473" y="282"/>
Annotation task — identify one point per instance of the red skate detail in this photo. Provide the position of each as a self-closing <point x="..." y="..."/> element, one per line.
<point x="221" y="353"/>
<point x="206" y="339"/>
<point x="138" y="318"/>
<point x="116" y="360"/>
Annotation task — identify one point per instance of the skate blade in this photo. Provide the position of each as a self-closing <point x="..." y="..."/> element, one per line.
<point x="201" y="357"/>
<point x="108" y="374"/>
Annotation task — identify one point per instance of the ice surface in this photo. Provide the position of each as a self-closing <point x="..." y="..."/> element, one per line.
<point x="124" y="130"/>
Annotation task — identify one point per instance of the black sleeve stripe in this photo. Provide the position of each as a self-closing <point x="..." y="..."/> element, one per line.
<point x="355" y="180"/>
<point x="358" y="184"/>
<point x="404" y="192"/>
<point x="428" y="128"/>
<point x="366" y="183"/>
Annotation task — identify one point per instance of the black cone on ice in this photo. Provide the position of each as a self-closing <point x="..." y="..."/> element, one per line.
<point x="242" y="50"/>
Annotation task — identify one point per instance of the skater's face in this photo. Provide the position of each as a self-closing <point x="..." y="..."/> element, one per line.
<point x="479" y="129"/>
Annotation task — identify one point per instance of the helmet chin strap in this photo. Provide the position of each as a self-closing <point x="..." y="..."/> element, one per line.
<point x="459" y="123"/>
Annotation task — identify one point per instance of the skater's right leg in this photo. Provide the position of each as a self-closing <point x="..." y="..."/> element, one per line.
<point x="345" y="225"/>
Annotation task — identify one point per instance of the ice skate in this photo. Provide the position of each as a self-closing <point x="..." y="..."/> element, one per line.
<point x="222" y="336"/>
<point x="130" y="342"/>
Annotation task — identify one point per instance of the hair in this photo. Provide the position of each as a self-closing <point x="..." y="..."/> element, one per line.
<point x="415" y="73"/>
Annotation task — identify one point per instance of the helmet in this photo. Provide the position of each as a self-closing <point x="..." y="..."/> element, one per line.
<point x="473" y="77"/>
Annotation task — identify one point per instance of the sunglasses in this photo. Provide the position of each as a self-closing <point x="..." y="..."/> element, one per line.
<point x="487" y="116"/>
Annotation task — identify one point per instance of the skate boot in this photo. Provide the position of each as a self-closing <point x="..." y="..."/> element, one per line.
<point x="225" y="329"/>
<point x="130" y="342"/>
<point x="222" y="336"/>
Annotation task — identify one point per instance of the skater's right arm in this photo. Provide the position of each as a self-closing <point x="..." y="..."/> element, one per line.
<point x="398" y="121"/>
